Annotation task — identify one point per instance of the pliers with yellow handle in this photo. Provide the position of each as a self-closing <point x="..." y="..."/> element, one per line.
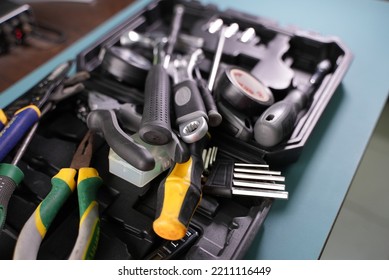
<point x="63" y="184"/>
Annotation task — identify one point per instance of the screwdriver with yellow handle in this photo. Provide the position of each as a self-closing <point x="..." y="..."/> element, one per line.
<point x="179" y="195"/>
<point x="63" y="185"/>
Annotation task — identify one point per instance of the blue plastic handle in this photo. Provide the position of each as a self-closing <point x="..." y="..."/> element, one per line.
<point x="17" y="127"/>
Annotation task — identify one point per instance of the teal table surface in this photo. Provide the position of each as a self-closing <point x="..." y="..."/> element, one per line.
<point x="319" y="180"/>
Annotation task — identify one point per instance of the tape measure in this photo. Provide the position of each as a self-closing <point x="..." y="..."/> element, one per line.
<point x="243" y="91"/>
<point x="126" y="65"/>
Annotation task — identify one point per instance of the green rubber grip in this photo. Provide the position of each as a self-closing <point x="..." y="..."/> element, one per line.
<point x="62" y="187"/>
<point x="88" y="185"/>
<point x="10" y="178"/>
<point x="34" y="230"/>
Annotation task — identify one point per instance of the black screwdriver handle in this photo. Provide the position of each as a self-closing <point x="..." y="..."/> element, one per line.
<point x="276" y="123"/>
<point x="279" y="120"/>
<point x="105" y="122"/>
<point x="214" y="116"/>
<point x="10" y="178"/>
<point x="155" y="127"/>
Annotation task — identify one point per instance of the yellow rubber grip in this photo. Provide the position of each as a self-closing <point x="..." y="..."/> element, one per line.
<point x="37" y="110"/>
<point x="67" y="175"/>
<point x="87" y="172"/>
<point x="3" y="117"/>
<point x="175" y="189"/>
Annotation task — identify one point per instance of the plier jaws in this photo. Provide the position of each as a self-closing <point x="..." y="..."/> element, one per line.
<point x="63" y="184"/>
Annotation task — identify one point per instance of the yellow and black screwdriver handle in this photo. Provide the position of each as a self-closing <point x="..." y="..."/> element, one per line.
<point x="179" y="195"/>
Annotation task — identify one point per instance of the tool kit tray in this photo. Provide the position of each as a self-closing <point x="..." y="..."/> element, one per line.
<point x="280" y="58"/>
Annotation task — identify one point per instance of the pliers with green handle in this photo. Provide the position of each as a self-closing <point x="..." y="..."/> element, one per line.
<point x="10" y="174"/>
<point x="63" y="184"/>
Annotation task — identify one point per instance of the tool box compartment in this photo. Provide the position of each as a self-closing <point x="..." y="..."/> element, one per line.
<point x="221" y="228"/>
<point x="293" y="54"/>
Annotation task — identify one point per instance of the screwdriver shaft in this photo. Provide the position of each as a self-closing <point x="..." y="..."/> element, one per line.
<point x="27" y="139"/>
<point x="217" y="57"/>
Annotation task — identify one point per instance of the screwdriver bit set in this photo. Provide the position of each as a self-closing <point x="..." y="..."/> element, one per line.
<point x="223" y="101"/>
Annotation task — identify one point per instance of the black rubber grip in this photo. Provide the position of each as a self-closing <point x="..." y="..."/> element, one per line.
<point x="105" y="122"/>
<point x="155" y="128"/>
<point x="7" y="187"/>
<point x="188" y="103"/>
<point x="214" y="116"/>
<point x="278" y="121"/>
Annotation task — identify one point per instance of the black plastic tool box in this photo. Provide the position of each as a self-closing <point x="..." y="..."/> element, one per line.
<point x="221" y="228"/>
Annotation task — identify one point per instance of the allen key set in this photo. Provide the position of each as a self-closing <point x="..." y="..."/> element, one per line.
<point x="226" y="178"/>
<point x="195" y="113"/>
